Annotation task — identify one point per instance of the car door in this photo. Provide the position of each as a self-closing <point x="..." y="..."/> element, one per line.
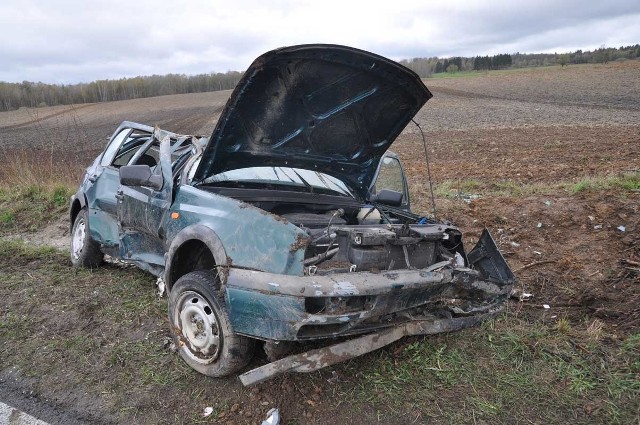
<point x="141" y="210"/>
<point x="101" y="186"/>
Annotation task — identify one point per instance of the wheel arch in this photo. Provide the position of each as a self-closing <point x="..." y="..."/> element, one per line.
<point x="78" y="202"/>
<point x="195" y="248"/>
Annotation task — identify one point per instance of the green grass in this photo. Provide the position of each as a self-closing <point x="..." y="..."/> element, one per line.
<point x="28" y="208"/>
<point x="627" y="181"/>
<point x="506" y="371"/>
<point x="453" y="189"/>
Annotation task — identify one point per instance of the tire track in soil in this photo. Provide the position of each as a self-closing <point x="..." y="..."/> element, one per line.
<point x="46" y="117"/>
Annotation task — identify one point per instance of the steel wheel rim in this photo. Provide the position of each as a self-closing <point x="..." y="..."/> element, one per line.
<point x="199" y="330"/>
<point x="77" y="240"/>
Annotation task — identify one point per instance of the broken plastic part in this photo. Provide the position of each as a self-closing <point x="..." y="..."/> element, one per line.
<point x="273" y="417"/>
<point x="327" y="356"/>
<point x="161" y="287"/>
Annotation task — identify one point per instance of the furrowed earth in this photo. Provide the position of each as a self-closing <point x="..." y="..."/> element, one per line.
<point x="548" y="159"/>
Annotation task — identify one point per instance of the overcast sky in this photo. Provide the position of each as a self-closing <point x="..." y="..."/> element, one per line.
<point x="67" y="41"/>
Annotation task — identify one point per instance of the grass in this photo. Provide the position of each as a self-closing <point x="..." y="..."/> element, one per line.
<point x="507" y="371"/>
<point x="629" y="181"/>
<point x="27" y="208"/>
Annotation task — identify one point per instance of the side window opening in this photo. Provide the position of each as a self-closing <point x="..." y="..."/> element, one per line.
<point x="151" y="155"/>
<point x="126" y="145"/>
<point x="114" y="146"/>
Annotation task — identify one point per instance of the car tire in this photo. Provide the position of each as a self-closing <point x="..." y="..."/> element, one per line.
<point x="201" y="328"/>
<point x="85" y="251"/>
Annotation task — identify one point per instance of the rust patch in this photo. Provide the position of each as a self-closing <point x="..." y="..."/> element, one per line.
<point x="301" y="242"/>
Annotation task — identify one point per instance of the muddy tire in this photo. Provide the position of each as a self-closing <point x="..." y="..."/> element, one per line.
<point x="85" y="252"/>
<point x="201" y="328"/>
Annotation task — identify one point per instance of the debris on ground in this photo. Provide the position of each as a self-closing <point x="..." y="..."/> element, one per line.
<point x="161" y="287"/>
<point x="521" y="295"/>
<point x="273" y="417"/>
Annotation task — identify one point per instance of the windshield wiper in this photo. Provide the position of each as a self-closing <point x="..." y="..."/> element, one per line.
<point x="306" y="183"/>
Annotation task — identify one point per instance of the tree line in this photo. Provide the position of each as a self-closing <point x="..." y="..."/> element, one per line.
<point x="16" y="95"/>
<point x="426" y="67"/>
<point x="29" y="94"/>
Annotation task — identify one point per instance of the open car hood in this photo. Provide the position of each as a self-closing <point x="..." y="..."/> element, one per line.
<point x="329" y="108"/>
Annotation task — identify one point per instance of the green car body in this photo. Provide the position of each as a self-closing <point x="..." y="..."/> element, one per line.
<point x="305" y="234"/>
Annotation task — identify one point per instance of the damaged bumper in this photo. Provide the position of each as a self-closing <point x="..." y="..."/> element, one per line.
<point x="327" y="356"/>
<point x="385" y="306"/>
<point x="297" y="308"/>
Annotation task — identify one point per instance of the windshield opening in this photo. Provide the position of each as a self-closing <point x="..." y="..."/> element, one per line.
<point x="294" y="178"/>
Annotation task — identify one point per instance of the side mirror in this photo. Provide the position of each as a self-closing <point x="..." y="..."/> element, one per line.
<point x="388" y="197"/>
<point x="140" y="175"/>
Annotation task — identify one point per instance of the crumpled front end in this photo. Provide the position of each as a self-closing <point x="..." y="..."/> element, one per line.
<point x="451" y="289"/>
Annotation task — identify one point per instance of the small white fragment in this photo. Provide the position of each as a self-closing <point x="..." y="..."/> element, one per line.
<point x="597" y="227"/>
<point x="539" y="225"/>
<point x="459" y="260"/>
<point x="554" y="316"/>
<point x="525" y="296"/>
<point x="547" y="203"/>
<point x="207" y="411"/>
<point x="161" y="286"/>
<point x="546" y="306"/>
<point x="537" y="252"/>
<point x="515" y="244"/>
<point x="622" y="228"/>
<point x="591" y="218"/>
<point x="273" y="417"/>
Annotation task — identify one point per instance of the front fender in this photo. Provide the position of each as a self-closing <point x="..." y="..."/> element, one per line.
<point x="252" y="238"/>
<point x="194" y="232"/>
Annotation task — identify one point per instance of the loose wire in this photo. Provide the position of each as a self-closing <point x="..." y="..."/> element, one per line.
<point x="426" y="155"/>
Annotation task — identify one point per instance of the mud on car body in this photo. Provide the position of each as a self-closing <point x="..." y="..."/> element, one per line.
<point x="291" y="222"/>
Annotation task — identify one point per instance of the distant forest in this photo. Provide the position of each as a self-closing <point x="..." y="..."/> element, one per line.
<point x="426" y="67"/>
<point x="29" y="94"/>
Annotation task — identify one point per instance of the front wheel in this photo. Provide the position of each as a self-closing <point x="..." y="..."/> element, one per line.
<point x="201" y="327"/>
<point x="85" y="251"/>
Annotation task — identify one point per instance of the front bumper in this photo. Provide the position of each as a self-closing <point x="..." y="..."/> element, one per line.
<point x="296" y="308"/>
<point x="385" y="306"/>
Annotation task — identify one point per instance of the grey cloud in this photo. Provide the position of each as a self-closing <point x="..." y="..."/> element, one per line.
<point x="69" y="41"/>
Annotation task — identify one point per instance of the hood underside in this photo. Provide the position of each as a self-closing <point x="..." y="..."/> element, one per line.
<point x="328" y="108"/>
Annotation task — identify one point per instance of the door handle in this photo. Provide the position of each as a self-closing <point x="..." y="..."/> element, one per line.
<point x="93" y="178"/>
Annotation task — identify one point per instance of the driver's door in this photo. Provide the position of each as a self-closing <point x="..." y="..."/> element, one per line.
<point x="141" y="211"/>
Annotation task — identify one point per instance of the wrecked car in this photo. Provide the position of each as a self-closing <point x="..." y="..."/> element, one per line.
<point x="290" y="223"/>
